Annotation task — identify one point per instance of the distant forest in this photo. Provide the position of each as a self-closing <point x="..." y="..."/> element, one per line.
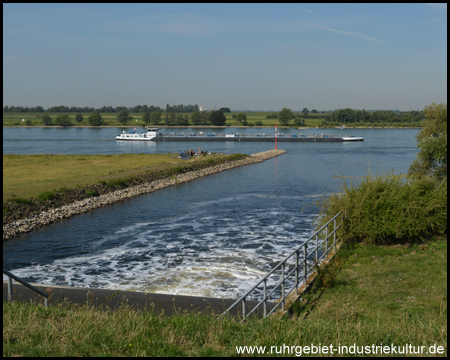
<point x="105" y="109"/>
<point x="354" y="117"/>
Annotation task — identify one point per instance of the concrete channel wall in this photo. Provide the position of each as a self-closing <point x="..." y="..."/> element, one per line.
<point x="111" y="299"/>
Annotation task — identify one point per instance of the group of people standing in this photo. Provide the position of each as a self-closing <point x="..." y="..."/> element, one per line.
<point x="192" y="153"/>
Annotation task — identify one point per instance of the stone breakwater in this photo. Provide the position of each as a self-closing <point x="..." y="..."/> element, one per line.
<point x="35" y="222"/>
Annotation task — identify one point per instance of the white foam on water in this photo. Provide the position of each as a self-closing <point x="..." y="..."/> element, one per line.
<point x="204" y="255"/>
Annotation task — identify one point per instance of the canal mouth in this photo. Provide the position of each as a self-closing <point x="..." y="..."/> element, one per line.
<point x="219" y="252"/>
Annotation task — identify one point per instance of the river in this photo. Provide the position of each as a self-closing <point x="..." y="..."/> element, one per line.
<point x="211" y="237"/>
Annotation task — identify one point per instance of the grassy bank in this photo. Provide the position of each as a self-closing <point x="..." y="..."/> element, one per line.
<point x="27" y="176"/>
<point x="379" y="295"/>
<point x="32" y="183"/>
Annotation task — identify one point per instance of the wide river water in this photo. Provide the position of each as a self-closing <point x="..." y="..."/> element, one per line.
<point x="214" y="236"/>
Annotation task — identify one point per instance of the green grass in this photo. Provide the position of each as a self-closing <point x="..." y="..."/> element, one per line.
<point x="381" y="295"/>
<point x="38" y="176"/>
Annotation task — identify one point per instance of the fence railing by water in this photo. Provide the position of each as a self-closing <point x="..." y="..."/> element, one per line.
<point x="10" y="286"/>
<point x="293" y="269"/>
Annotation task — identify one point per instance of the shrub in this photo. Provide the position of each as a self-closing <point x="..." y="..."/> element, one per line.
<point x="382" y="209"/>
<point x="119" y="182"/>
<point x="259" y="123"/>
<point x="251" y="124"/>
<point x="91" y="193"/>
<point x="20" y="201"/>
<point x="47" y="120"/>
<point x="47" y="195"/>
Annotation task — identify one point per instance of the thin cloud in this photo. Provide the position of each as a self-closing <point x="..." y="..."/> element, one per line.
<point x="311" y="12"/>
<point x="349" y="33"/>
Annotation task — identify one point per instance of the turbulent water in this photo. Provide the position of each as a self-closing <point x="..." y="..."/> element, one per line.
<point x="211" y="237"/>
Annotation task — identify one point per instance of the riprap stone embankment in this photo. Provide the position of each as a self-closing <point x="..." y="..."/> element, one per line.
<point x="79" y="207"/>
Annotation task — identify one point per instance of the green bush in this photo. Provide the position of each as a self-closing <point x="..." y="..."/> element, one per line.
<point x="91" y="193"/>
<point x="119" y="182"/>
<point x="382" y="209"/>
<point x="47" y="195"/>
<point x="259" y="123"/>
<point x="20" y="201"/>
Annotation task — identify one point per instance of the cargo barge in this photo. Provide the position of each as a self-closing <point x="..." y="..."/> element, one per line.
<point x="154" y="135"/>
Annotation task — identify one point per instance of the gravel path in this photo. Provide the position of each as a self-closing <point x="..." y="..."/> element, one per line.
<point x="35" y="222"/>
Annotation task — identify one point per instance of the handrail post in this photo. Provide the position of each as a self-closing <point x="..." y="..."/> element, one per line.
<point x="334" y="236"/>
<point x="282" y="286"/>
<point x="9" y="288"/>
<point x="296" y="270"/>
<point x="243" y="309"/>
<point x="265" y="299"/>
<point x="326" y="242"/>
<point x="305" y="266"/>
<point x="317" y="247"/>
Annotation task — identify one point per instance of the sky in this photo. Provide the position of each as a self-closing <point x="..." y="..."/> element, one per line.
<point x="241" y="56"/>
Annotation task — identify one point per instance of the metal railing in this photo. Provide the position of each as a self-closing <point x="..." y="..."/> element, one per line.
<point x="303" y="265"/>
<point x="10" y="284"/>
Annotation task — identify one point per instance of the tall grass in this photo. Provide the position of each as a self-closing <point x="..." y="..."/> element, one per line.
<point x="383" y="209"/>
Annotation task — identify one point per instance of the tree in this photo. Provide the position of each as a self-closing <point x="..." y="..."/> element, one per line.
<point x="63" y="120"/>
<point x="298" y="121"/>
<point x="225" y="109"/>
<point x="432" y="141"/>
<point x="314" y="111"/>
<point x="147" y="117"/>
<point x="123" y="117"/>
<point x="305" y="112"/>
<point x="79" y="118"/>
<point x="217" y="118"/>
<point x="284" y="116"/>
<point x="205" y="118"/>
<point x="242" y="118"/>
<point x="95" y="119"/>
<point x="196" y="118"/>
<point x="47" y="120"/>
<point x="156" y="118"/>
<point x="173" y="118"/>
<point x="170" y="118"/>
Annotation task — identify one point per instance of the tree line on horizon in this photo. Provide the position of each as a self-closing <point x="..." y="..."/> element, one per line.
<point x="214" y="117"/>
<point x="105" y="109"/>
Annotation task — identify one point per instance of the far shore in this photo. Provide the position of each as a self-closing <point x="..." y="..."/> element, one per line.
<point x="210" y="126"/>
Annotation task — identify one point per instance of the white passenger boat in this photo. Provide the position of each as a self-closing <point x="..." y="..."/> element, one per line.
<point x="350" y="137"/>
<point x="133" y="136"/>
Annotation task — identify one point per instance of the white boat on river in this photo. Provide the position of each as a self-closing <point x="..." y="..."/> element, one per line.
<point x="351" y="137"/>
<point x="133" y="136"/>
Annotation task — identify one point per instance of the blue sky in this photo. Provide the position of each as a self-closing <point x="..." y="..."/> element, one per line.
<point x="242" y="56"/>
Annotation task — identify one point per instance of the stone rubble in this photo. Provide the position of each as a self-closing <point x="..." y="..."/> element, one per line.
<point x="35" y="222"/>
